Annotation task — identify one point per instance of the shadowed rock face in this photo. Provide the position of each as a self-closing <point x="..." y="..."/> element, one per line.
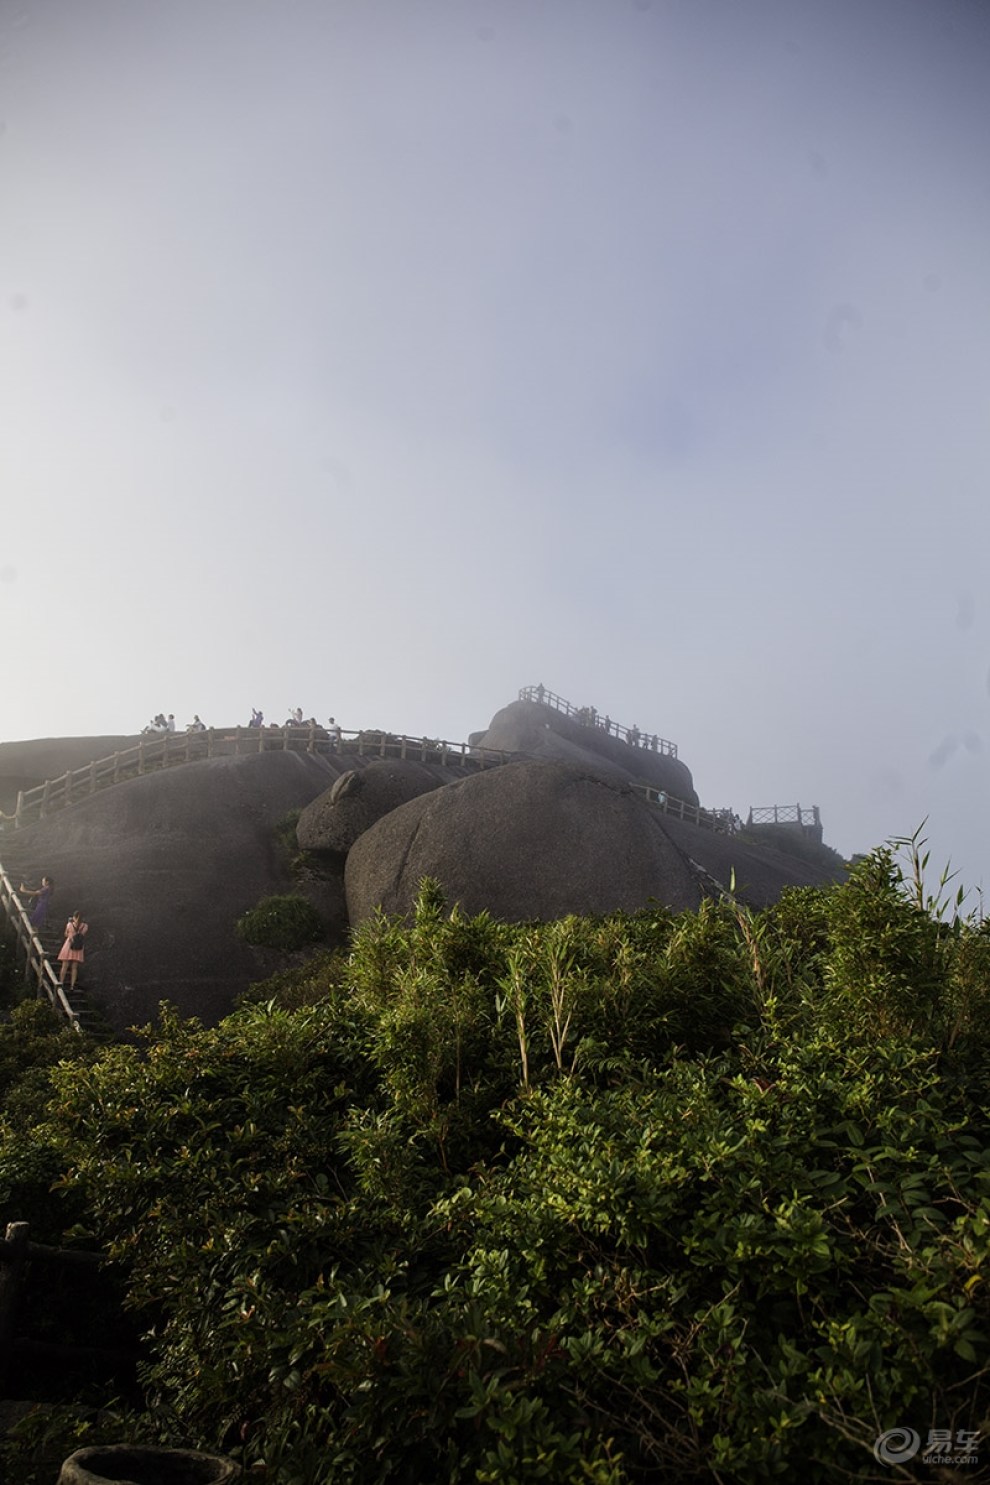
<point x="360" y="798"/>
<point x="760" y="872"/>
<point x="539" y="840"/>
<point x="529" y="840"/>
<point x="162" y="867"/>
<point x="545" y="733"/>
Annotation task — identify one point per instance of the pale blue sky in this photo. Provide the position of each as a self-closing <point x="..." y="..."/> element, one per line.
<point x="381" y="358"/>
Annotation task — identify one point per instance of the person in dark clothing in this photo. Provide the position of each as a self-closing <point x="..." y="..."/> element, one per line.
<point x="42" y="895"/>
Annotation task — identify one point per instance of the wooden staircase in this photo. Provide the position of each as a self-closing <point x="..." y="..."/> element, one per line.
<point x="88" y="1019"/>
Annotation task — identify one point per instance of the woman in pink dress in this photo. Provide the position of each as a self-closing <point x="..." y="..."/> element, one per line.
<point x="71" y="952"/>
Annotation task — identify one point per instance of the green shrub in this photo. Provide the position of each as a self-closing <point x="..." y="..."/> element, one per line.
<point x="288" y="922"/>
<point x="701" y="1196"/>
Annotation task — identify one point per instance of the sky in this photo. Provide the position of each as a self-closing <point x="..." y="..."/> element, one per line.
<point x="382" y="357"/>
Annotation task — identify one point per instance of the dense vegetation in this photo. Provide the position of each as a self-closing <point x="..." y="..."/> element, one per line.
<point x="699" y="1196"/>
<point x="286" y="922"/>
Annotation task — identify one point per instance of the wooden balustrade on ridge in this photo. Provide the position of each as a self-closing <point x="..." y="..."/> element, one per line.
<point x="635" y="737"/>
<point x="170" y="749"/>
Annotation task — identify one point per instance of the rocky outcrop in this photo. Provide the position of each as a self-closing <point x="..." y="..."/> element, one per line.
<point x="358" y="799"/>
<point x="528" y="840"/>
<point x="539" y="840"/>
<point x="162" y="867"/>
<point x="757" y="873"/>
<point x="540" y="731"/>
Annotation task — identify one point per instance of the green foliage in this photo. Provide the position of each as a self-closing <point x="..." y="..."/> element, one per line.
<point x="304" y="866"/>
<point x="285" y="832"/>
<point x="285" y="922"/>
<point x="11" y="972"/>
<point x="304" y="985"/>
<point x="701" y="1196"/>
<point x="32" y="1041"/>
<point x="34" y="1448"/>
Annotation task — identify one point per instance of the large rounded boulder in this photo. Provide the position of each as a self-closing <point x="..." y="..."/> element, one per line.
<point x="541" y="731"/>
<point x="358" y="799"/>
<point x="528" y="840"/>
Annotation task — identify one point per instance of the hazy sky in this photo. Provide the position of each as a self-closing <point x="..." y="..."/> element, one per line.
<point x="381" y="357"/>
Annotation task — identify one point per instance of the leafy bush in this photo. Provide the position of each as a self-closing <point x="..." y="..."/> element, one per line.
<point x="701" y="1196"/>
<point x="32" y="1041"/>
<point x="11" y="973"/>
<point x="287" y="922"/>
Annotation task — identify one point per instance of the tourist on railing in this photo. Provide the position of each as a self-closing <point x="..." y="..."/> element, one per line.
<point x="71" y="954"/>
<point x="540" y="693"/>
<point x="38" y="916"/>
<point x="607" y="724"/>
<point x="257" y="718"/>
<point x="634" y="736"/>
<point x="157" y="725"/>
<point x="196" y="725"/>
<point x="170" y="724"/>
<point x="335" y="736"/>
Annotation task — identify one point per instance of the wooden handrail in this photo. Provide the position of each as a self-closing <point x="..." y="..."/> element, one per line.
<point x="784" y="814"/>
<point x="722" y="821"/>
<point x="588" y="716"/>
<point x="37" y="966"/>
<point x="170" y="749"/>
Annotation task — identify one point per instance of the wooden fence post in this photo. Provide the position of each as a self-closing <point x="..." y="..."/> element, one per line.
<point x="11" y="1264"/>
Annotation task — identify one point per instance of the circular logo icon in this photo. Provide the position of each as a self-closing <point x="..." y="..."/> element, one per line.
<point x="896" y="1446"/>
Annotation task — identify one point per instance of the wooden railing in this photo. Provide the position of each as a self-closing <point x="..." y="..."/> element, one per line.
<point x="724" y="822"/>
<point x="38" y="968"/>
<point x="18" y="1255"/>
<point x="588" y="716"/>
<point x="784" y="814"/>
<point x="169" y="749"/>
